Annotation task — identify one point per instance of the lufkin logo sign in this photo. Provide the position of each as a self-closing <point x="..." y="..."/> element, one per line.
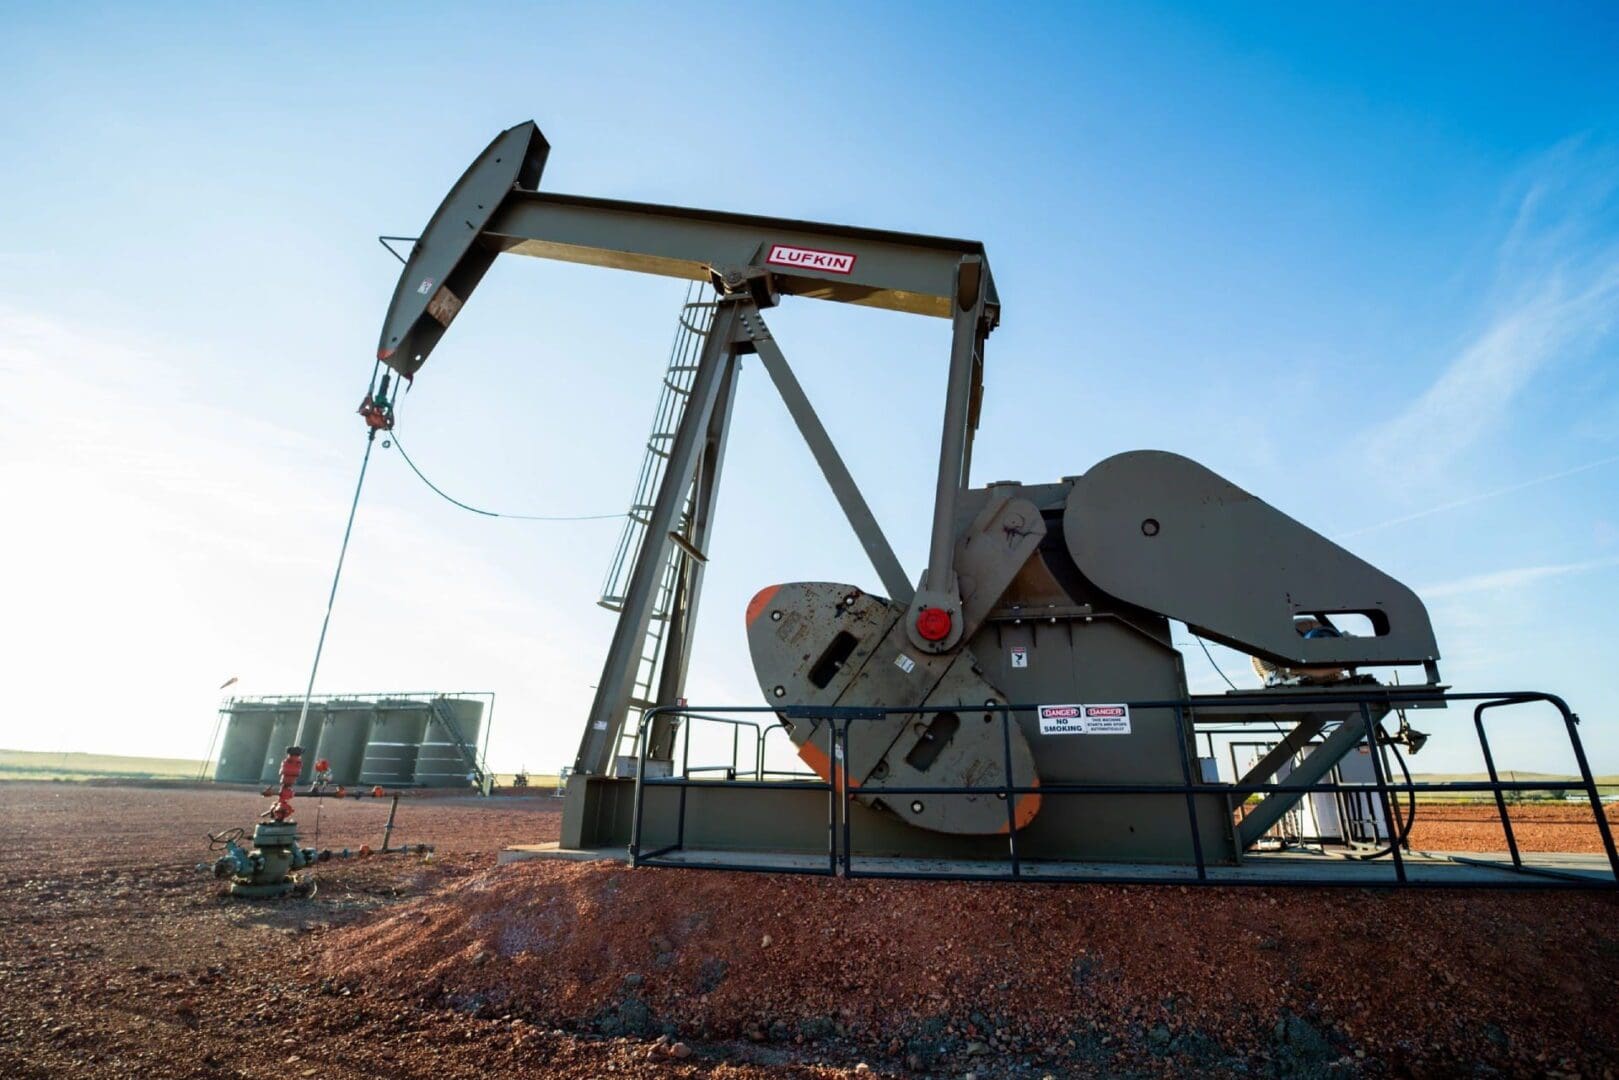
<point x="799" y="258"/>
<point x="1084" y="719"/>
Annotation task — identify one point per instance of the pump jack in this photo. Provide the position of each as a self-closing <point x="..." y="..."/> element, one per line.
<point x="1047" y="592"/>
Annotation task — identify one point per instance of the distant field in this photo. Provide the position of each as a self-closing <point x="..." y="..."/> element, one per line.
<point x="36" y="765"/>
<point x="1606" y="785"/>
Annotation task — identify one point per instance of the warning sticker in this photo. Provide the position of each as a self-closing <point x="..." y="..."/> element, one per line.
<point x="905" y="663"/>
<point x="1084" y="719"/>
<point x="1020" y="656"/>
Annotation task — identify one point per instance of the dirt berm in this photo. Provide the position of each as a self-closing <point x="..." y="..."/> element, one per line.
<point x="1018" y="979"/>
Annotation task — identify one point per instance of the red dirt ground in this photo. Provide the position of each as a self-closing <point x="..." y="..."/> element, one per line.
<point x="117" y="958"/>
<point x="1557" y="827"/>
<point x="1181" y="981"/>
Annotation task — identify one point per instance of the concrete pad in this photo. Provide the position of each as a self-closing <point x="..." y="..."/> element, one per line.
<point x="553" y="850"/>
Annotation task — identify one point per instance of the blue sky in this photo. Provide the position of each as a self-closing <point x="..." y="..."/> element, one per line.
<point x="1361" y="260"/>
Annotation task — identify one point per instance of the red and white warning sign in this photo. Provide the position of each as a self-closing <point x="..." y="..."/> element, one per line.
<point x="1020" y="656"/>
<point x="800" y="258"/>
<point x="1084" y="719"/>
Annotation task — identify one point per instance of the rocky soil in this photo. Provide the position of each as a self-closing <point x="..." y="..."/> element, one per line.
<point x="1536" y="827"/>
<point x="118" y="958"/>
<point x="1017" y="980"/>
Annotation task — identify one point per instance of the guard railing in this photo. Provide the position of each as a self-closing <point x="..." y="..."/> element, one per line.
<point x="841" y="859"/>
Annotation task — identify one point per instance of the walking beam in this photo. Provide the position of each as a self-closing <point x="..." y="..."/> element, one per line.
<point x="495" y="207"/>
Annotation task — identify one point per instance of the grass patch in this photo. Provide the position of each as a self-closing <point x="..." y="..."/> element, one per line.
<point x="42" y="765"/>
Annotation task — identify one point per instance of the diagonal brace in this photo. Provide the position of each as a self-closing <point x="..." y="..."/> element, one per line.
<point x="1317" y="764"/>
<point x="1292" y="744"/>
<point x="844" y="489"/>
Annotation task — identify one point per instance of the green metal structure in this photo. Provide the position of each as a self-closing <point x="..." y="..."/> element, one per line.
<point x="393" y="740"/>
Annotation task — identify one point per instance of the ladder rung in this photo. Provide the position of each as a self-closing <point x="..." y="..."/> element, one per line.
<point x="679" y="381"/>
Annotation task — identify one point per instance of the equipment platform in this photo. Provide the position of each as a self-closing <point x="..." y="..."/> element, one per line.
<point x="1278" y="868"/>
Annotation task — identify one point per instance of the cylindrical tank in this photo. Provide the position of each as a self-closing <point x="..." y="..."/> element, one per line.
<point x="284" y="733"/>
<point x="343" y="737"/>
<point x="396" y="736"/>
<point x="442" y="762"/>
<point x="283" y="730"/>
<point x="247" y="737"/>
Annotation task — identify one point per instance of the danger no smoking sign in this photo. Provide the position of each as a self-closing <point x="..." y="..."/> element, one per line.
<point x="1084" y="719"/>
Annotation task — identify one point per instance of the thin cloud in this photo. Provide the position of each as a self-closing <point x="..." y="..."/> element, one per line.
<point x="1556" y="294"/>
<point x="1514" y="578"/>
<point x="1483" y="496"/>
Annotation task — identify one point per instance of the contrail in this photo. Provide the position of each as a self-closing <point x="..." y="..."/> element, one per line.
<point x="1471" y="499"/>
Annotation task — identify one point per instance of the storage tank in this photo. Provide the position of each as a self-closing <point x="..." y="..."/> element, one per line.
<point x="397" y="728"/>
<point x="442" y="763"/>
<point x="344" y="732"/>
<point x="247" y="739"/>
<point x="284" y="733"/>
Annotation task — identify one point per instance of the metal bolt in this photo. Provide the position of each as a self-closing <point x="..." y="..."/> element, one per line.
<point x="780" y="691"/>
<point x="916" y="806"/>
<point x="775" y="616"/>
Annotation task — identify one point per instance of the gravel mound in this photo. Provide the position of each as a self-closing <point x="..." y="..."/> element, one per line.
<point x="1007" y="979"/>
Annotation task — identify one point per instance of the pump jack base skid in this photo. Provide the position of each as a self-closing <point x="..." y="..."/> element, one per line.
<point x="1423" y="869"/>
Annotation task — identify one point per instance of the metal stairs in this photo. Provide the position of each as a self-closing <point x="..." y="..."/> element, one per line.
<point x="469" y="753"/>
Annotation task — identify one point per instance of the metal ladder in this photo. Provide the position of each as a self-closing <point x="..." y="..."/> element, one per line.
<point x="469" y="754"/>
<point x="696" y="316"/>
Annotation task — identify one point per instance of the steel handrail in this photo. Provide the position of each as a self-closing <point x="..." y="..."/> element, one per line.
<point x="840" y="718"/>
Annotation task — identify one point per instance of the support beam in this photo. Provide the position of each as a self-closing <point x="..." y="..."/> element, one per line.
<point x="872" y="267"/>
<point x="1308" y="727"/>
<point x="1317" y="764"/>
<point x="969" y="328"/>
<point x="617" y="680"/>
<point x="893" y="576"/>
<point x="683" y="616"/>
